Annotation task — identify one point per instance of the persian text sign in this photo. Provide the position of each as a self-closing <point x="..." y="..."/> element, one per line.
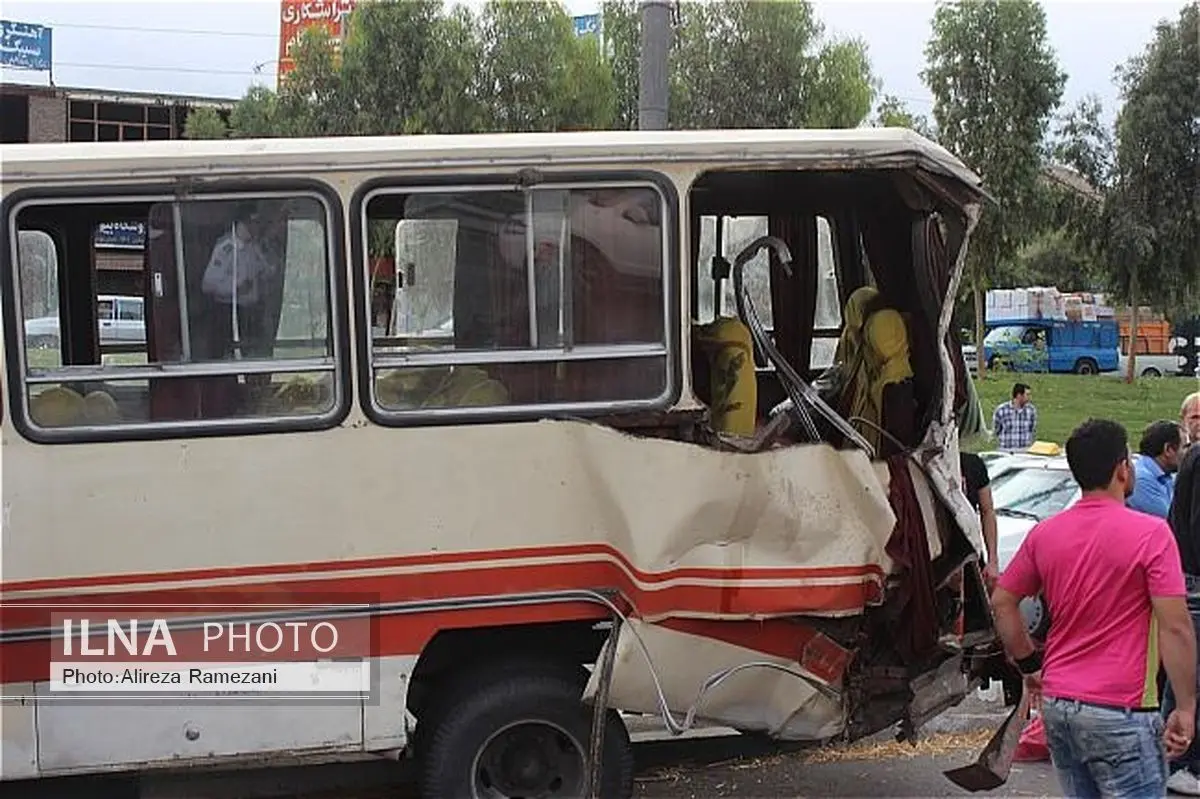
<point x="297" y="16"/>
<point x="25" y="46"/>
<point x="128" y="235"/>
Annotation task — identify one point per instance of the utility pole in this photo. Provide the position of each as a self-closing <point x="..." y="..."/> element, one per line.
<point x="653" y="86"/>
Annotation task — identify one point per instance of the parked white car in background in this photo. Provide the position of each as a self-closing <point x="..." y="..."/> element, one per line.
<point x="122" y="320"/>
<point x="1027" y="489"/>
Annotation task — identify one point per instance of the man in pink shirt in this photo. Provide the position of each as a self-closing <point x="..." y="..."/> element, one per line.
<point x="1114" y="589"/>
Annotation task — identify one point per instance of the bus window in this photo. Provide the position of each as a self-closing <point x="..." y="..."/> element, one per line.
<point x="736" y="233"/>
<point x="226" y="319"/>
<point x="539" y="299"/>
<point x="37" y="265"/>
<point x="827" y="321"/>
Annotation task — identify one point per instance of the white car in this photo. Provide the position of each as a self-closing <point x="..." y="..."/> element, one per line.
<point x="1027" y="489"/>
<point x="122" y="320"/>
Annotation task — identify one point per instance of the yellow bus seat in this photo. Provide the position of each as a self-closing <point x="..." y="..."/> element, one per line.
<point x="727" y="344"/>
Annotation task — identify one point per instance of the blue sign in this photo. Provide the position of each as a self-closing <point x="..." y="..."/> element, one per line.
<point x="587" y="25"/>
<point x="126" y="235"/>
<point x="24" y="46"/>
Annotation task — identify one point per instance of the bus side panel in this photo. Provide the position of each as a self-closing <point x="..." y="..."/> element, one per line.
<point x="18" y="734"/>
<point x="385" y="718"/>
<point x="77" y="737"/>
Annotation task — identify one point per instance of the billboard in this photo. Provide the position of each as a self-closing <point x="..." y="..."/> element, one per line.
<point x="24" y="46"/>
<point x="297" y="16"/>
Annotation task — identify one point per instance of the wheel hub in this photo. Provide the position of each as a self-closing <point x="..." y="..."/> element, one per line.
<point x="529" y="760"/>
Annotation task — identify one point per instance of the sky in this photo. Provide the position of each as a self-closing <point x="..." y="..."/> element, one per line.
<point x="220" y="48"/>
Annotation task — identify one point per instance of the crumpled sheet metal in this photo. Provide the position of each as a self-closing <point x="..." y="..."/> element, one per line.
<point x="798" y="530"/>
<point x="781" y="705"/>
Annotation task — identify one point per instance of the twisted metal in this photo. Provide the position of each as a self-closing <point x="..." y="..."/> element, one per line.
<point x="801" y="395"/>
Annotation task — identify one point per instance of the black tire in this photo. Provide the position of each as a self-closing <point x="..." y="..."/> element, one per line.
<point x="1086" y="366"/>
<point x="1151" y="371"/>
<point x="542" y="706"/>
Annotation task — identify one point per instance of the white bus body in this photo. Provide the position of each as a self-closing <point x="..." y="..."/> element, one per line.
<point x="294" y="431"/>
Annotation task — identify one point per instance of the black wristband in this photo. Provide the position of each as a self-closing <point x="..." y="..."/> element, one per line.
<point x="1031" y="663"/>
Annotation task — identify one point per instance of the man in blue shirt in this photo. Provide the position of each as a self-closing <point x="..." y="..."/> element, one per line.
<point x="1154" y="470"/>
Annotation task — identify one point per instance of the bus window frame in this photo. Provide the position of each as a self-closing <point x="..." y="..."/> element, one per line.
<point x="180" y="191"/>
<point x="522" y="179"/>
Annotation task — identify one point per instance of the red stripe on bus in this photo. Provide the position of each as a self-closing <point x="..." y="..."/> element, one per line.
<point x="450" y="559"/>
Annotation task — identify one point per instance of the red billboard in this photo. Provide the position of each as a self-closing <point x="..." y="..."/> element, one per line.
<point x="297" y="16"/>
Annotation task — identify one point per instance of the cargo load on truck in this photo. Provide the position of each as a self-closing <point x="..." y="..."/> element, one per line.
<point x="1041" y="329"/>
<point x="1005" y="305"/>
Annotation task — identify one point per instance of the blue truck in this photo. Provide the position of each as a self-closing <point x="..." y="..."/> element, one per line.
<point x="1053" y="345"/>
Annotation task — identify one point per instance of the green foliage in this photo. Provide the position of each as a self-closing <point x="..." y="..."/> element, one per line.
<point x="1054" y="258"/>
<point x="536" y="74"/>
<point x="412" y="66"/>
<point x="383" y="64"/>
<point x="750" y="64"/>
<point x="255" y="115"/>
<point x="995" y="84"/>
<point x="204" y="123"/>
<point x="1060" y="410"/>
<point x="1153" y="211"/>
<point x="622" y="48"/>
<point x="312" y="99"/>
<point x="893" y="113"/>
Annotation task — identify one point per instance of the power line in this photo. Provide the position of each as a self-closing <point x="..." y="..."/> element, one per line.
<point x="141" y="68"/>
<point x="133" y="29"/>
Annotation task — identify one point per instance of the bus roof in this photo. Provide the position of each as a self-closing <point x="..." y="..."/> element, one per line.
<point x="863" y="148"/>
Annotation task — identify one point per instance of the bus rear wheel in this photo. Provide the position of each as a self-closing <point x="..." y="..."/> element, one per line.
<point x="522" y="735"/>
<point x="1086" y="366"/>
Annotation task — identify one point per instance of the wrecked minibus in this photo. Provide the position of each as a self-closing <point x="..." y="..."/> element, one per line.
<point x="571" y="425"/>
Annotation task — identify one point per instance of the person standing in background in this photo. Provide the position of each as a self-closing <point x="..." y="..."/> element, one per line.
<point x="1189" y="416"/>
<point x="1184" y="517"/>
<point x="977" y="485"/>
<point x="1015" y="422"/>
<point x="1159" y="453"/>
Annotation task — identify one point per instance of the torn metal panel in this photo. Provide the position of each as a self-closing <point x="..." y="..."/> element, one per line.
<point x="754" y="699"/>
<point x="809" y="519"/>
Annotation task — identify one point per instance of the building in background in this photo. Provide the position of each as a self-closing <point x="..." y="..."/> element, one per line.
<point x="37" y="114"/>
<point x="34" y="112"/>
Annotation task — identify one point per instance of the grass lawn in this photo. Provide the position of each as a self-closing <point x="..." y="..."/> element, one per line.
<point x="1063" y="401"/>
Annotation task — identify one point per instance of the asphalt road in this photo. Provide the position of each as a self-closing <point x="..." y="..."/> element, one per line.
<point x="916" y="777"/>
<point x="794" y="776"/>
<point x="713" y="765"/>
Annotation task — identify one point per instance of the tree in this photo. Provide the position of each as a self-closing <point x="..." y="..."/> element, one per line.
<point x="1153" y="213"/>
<point x="745" y="64"/>
<point x="383" y="64"/>
<point x="893" y="113"/>
<point x="621" y="34"/>
<point x="255" y="115"/>
<point x="449" y="86"/>
<point x="537" y="75"/>
<point x="312" y="100"/>
<point x="1055" y="259"/>
<point x="411" y="67"/>
<point x="995" y="84"/>
<point x="204" y="123"/>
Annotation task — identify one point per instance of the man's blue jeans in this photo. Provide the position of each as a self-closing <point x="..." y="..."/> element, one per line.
<point x="1190" y="758"/>
<point x="1099" y="751"/>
